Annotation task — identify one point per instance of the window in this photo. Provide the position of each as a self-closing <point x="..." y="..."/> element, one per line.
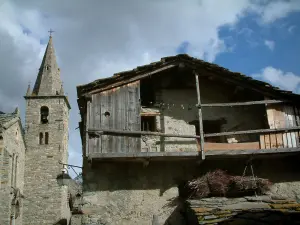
<point x="12" y="170"/>
<point x="148" y="123"/>
<point x="44" y="114"/>
<point x="16" y="171"/>
<point x="46" y="138"/>
<point x="41" y="138"/>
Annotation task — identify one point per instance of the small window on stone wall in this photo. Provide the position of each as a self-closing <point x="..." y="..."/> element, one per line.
<point x="46" y="138"/>
<point x="148" y="123"/>
<point x="44" y="114"/>
<point x="41" y="138"/>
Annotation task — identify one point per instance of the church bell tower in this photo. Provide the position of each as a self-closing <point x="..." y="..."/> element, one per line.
<point x="46" y="137"/>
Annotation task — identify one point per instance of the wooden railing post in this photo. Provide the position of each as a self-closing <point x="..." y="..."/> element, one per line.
<point x="200" y="117"/>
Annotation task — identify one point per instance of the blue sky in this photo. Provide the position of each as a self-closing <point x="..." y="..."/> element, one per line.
<point x="250" y="53"/>
<point x="255" y="37"/>
<point x="253" y="46"/>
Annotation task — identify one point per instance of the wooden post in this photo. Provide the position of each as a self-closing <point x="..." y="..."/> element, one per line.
<point x="200" y="118"/>
<point x="87" y="126"/>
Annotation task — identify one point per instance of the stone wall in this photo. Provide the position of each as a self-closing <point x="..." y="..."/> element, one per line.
<point x="46" y="201"/>
<point x="248" y="210"/>
<point x="179" y="111"/>
<point x="128" y="193"/>
<point x="12" y="172"/>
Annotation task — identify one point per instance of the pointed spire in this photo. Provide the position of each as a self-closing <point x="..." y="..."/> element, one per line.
<point x="28" y="92"/>
<point x="17" y="111"/>
<point x="48" y="81"/>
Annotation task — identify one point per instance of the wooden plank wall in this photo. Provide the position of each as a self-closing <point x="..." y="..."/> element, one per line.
<point x="123" y="106"/>
<point x="281" y="116"/>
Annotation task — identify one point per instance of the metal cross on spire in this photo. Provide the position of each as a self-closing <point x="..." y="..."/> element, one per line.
<point x="50" y="32"/>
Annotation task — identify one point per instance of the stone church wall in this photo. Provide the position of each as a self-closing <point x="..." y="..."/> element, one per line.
<point x="13" y="148"/>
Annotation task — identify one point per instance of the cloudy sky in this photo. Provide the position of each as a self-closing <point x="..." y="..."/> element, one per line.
<point x="93" y="39"/>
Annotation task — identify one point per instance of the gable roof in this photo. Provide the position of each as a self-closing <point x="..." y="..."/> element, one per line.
<point x="8" y="119"/>
<point x="198" y="65"/>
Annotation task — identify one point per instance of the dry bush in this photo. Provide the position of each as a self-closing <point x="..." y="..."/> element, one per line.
<point x="219" y="183"/>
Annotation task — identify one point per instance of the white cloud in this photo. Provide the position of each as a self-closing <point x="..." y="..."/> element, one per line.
<point x="276" y="9"/>
<point x="270" y="44"/>
<point x="284" y="80"/>
<point x="103" y="37"/>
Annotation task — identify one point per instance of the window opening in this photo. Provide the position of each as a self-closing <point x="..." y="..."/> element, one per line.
<point x="44" y="114"/>
<point x="148" y="123"/>
<point x="16" y="171"/>
<point x="12" y="170"/>
<point x="46" y="138"/>
<point x="41" y="138"/>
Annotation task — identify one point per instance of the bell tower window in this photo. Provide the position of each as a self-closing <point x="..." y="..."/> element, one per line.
<point x="46" y="138"/>
<point x="44" y="114"/>
<point x="41" y="138"/>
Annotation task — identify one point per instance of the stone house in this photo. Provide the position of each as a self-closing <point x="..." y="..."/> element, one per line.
<point x="12" y="162"/>
<point x="147" y="131"/>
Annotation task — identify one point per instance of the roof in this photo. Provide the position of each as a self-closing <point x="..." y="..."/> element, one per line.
<point x="141" y="72"/>
<point x="5" y="118"/>
<point x="48" y="80"/>
<point x="247" y="210"/>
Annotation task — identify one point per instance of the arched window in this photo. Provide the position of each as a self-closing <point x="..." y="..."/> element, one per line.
<point x="46" y="138"/>
<point x="44" y="114"/>
<point x="41" y="138"/>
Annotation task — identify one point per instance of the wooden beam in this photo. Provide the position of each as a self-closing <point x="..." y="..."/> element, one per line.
<point x="123" y="132"/>
<point x="108" y="131"/>
<point x="130" y="80"/>
<point x="242" y="103"/>
<point x="87" y="123"/>
<point x="212" y="153"/>
<point x="252" y="131"/>
<point x="251" y="151"/>
<point x="200" y="117"/>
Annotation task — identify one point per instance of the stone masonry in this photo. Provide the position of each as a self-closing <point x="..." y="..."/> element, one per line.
<point x="12" y="162"/>
<point x="129" y="193"/>
<point x="46" y="136"/>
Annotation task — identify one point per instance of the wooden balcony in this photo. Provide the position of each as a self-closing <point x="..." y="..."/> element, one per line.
<point x="271" y="141"/>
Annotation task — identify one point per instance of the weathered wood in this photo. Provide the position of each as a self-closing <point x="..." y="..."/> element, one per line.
<point x="134" y="133"/>
<point x="230" y="146"/>
<point x="200" y="118"/>
<point x="242" y="103"/>
<point x="267" y="141"/>
<point x="192" y="153"/>
<point x="138" y="133"/>
<point x="257" y="131"/>
<point x="87" y="125"/>
<point x="111" y="113"/>
<point x="131" y="80"/>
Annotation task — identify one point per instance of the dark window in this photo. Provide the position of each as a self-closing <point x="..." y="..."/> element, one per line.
<point x="44" y="114"/>
<point x="12" y="169"/>
<point x="148" y="123"/>
<point x="41" y="138"/>
<point x="147" y="92"/>
<point x="46" y="138"/>
<point x="16" y="171"/>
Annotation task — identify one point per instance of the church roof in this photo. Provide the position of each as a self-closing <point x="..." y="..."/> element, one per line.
<point x="48" y="81"/>
<point x="5" y="118"/>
